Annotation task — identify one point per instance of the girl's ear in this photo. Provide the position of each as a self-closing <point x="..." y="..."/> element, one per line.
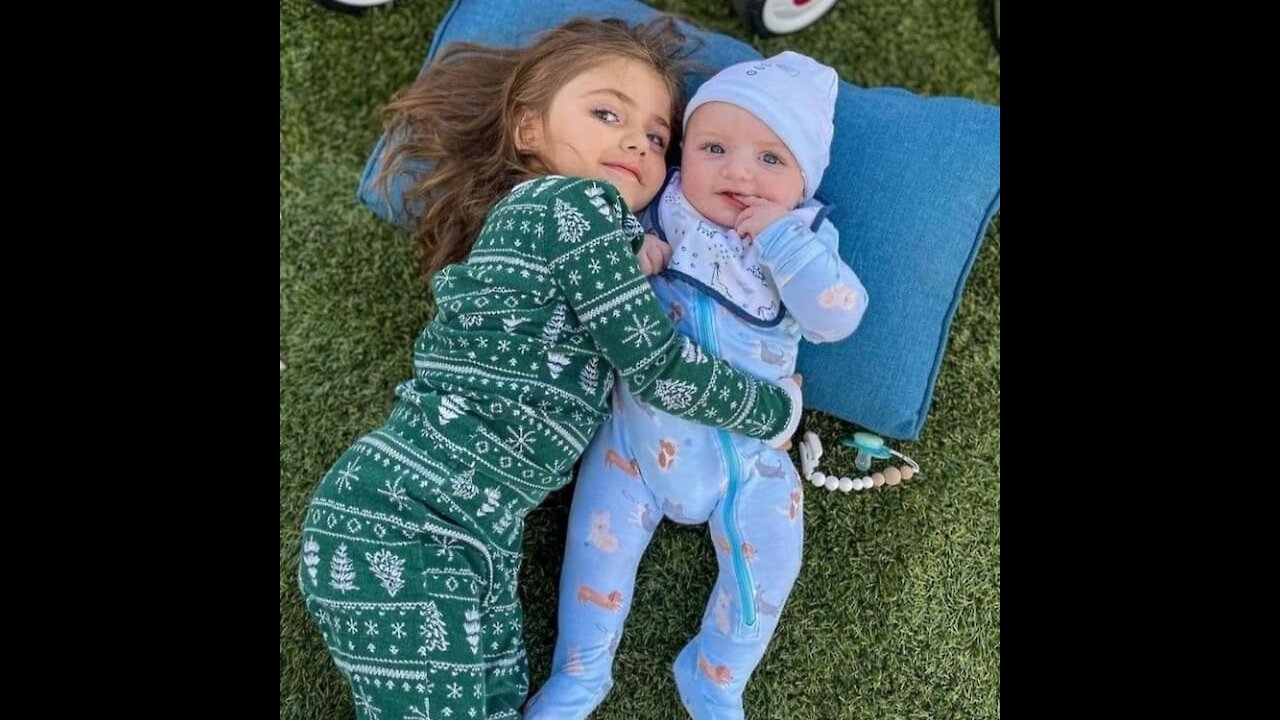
<point x="528" y="131"/>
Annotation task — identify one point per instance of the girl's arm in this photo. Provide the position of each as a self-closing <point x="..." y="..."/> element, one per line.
<point x="588" y="242"/>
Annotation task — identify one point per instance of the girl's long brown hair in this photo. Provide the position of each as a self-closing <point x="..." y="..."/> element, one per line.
<point x="455" y="126"/>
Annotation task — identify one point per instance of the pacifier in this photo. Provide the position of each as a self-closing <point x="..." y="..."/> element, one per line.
<point x="870" y="447"/>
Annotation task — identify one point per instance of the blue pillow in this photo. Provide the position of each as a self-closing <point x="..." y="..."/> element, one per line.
<point x="913" y="181"/>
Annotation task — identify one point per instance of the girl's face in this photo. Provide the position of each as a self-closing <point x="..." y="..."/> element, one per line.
<point x="729" y="153"/>
<point x="612" y="123"/>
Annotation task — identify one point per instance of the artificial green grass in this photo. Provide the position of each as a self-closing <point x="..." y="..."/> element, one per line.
<point x="896" y="613"/>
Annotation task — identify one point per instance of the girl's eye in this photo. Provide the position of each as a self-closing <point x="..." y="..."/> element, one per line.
<point x="657" y="140"/>
<point x="605" y="115"/>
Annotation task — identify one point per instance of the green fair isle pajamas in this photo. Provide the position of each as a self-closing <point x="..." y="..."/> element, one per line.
<point x="412" y="542"/>
<point x="420" y="614"/>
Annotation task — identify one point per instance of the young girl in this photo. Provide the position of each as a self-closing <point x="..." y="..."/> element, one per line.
<point x="412" y="542"/>
<point x="754" y="268"/>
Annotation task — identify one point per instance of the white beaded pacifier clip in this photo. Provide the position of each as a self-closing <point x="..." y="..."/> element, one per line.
<point x="869" y="446"/>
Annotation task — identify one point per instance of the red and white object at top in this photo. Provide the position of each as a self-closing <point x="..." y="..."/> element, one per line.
<point x="766" y="17"/>
<point x="781" y="17"/>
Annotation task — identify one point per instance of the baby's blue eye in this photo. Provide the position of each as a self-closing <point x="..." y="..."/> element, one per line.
<point x="771" y="159"/>
<point x="714" y="148"/>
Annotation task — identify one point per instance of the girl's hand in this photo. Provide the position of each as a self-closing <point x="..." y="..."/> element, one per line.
<point x="654" y="255"/>
<point x="799" y="381"/>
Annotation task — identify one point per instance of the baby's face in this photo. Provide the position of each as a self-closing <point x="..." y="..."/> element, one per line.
<point x="729" y="153"/>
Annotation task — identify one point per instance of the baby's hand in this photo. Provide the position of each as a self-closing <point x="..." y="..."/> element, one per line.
<point x="758" y="215"/>
<point x="654" y="255"/>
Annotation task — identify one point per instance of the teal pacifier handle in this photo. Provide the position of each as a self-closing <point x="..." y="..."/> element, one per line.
<point x="868" y="445"/>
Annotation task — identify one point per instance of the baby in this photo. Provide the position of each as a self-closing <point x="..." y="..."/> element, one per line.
<point x="753" y="267"/>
